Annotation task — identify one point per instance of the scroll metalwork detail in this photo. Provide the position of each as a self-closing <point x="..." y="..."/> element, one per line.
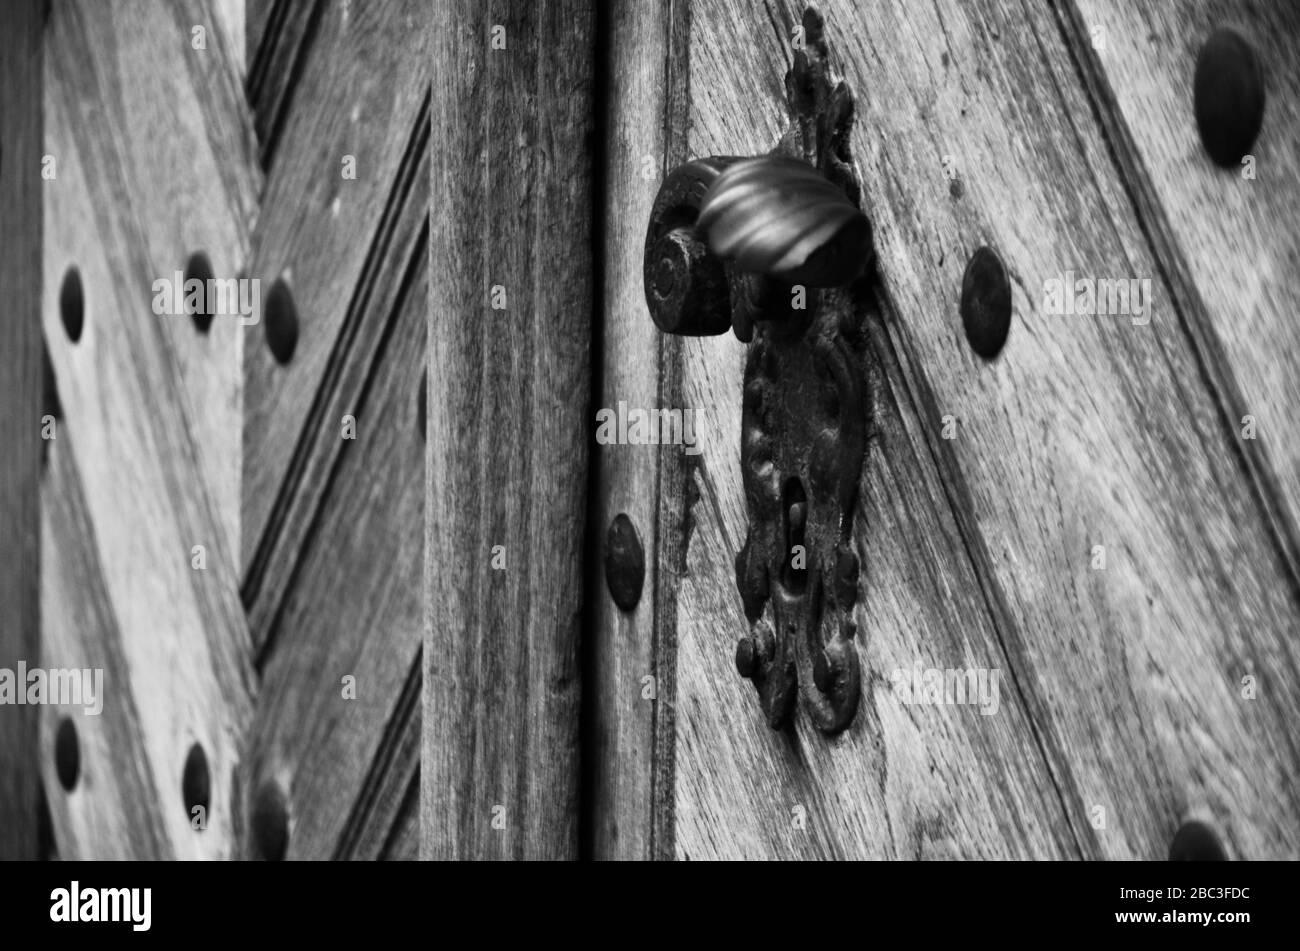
<point x="774" y="247"/>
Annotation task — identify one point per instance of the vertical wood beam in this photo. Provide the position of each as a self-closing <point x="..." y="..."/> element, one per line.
<point x="21" y="142"/>
<point x="508" y="428"/>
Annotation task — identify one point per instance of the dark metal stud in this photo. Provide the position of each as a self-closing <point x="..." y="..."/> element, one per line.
<point x="196" y="783"/>
<point x="624" y="563"/>
<point x="67" y="754"/>
<point x="199" y="268"/>
<point x="1196" y="842"/>
<point x="72" y="304"/>
<point x="986" y="303"/>
<point x="281" y="322"/>
<point x="270" y="822"/>
<point x="1228" y="97"/>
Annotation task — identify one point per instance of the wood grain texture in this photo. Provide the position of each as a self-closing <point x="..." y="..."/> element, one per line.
<point x="385" y="821"/>
<point x="1226" y="243"/>
<point x="1086" y="431"/>
<point x="362" y="85"/>
<point x="136" y="190"/>
<point x="382" y="291"/>
<point x="403" y="841"/>
<point x="216" y="81"/>
<point x="905" y="782"/>
<point x="229" y="16"/>
<point x="626" y="722"/>
<point x="259" y="23"/>
<point x="112" y="810"/>
<point x="352" y="604"/>
<point x="191" y="178"/>
<point x="508" y="427"/>
<point x="280" y="33"/>
<point x="21" y="147"/>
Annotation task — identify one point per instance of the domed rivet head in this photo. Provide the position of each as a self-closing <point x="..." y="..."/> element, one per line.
<point x="1196" y="842"/>
<point x="72" y="304"/>
<point x="746" y="657"/>
<point x="196" y="786"/>
<point x="270" y="822"/>
<point x="67" y="754"/>
<point x="199" y="268"/>
<point x="281" y="323"/>
<point x="986" y="303"/>
<point x="624" y="563"/>
<point x="1228" y="97"/>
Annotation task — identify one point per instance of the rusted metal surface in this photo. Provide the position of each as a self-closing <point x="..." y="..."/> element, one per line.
<point x="777" y="249"/>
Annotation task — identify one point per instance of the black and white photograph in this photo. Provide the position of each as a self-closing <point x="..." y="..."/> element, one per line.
<point x="652" y="430"/>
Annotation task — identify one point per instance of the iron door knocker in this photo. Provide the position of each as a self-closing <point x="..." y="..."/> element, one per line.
<point x="773" y="247"/>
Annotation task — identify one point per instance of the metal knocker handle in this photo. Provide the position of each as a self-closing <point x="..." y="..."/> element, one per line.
<point x="730" y="238"/>
<point x="770" y="247"/>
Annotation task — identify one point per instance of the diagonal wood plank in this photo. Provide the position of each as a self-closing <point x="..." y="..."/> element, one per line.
<point x="156" y="467"/>
<point x="156" y="127"/>
<point x="352" y="607"/>
<point x="905" y="782"/>
<point x="382" y="290"/>
<point x="317" y="228"/>
<point x="1224" y="239"/>
<point x="111" y="810"/>
<point x="1084" y="432"/>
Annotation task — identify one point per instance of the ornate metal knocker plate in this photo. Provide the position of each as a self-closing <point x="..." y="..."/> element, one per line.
<point x="771" y="247"/>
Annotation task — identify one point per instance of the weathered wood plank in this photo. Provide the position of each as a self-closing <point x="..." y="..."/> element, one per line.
<point x="21" y="147"/>
<point x="385" y="820"/>
<point x="259" y="24"/>
<point x="382" y="291"/>
<point x="905" y="782"/>
<point x="352" y="605"/>
<point x="1086" y="431"/>
<point x="363" y="83"/>
<point x="280" y="33"/>
<point x="112" y="809"/>
<point x="403" y="843"/>
<point x="636" y="367"/>
<point x="507" y="430"/>
<point x="1226" y="242"/>
<point x="192" y="183"/>
<point x="230" y="18"/>
<point x="155" y="465"/>
<point x="217" y="88"/>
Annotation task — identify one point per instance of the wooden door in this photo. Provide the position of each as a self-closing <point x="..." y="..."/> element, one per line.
<point x="232" y="517"/>
<point x="1103" y="513"/>
<point x="224" y="512"/>
<point x="378" y="569"/>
